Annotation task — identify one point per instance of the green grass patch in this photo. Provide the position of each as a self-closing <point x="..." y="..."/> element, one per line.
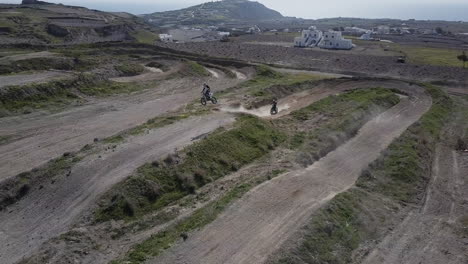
<point x="36" y="96"/>
<point x="106" y="87"/>
<point x="159" y="183"/>
<point x="130" y="69"/>
<point x="155" y="64"/>
<point x="429" y="56"/>
<point x="197" y="69"/>
<point x="144" y="36"/>
<point x="59" y="93"/>
<point x="263" y="85"/>
<point x="397" y="178"/>
<point x="361" y="98"/>
<point x="153" y="123"/>
<point x="37" y="64"/>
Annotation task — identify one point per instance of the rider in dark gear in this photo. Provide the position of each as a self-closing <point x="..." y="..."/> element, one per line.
<point x="275" y="103"/>
<point x="206" y="90"/>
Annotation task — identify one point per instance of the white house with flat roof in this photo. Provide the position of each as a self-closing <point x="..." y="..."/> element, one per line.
<point x="309" y="38"/>
<point x="313" y="37"/>
<point x="334" y="40"/>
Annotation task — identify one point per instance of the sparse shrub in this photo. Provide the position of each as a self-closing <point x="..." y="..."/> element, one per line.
<point x="461" y="145"/>
<point x="23" y="190"/>
<point x="196" y="69"/>
<point x="266" y="71"/>
<point x="130" y="69"/>
<point x="128" y="209"/>
<point x="158" y="65"/>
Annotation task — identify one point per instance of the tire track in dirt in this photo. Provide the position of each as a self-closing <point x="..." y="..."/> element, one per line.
<point x="48" y="212"/>
<point x="256" y="225"/>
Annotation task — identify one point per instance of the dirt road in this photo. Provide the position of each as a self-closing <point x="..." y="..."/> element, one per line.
<point x="256" y="225"/>
<point x="41" y="138"/>
<point x="429" y="234"/>
<point x="49" y="211"/>
<point x="21" y="79"/>
<point x="27" y="56"/>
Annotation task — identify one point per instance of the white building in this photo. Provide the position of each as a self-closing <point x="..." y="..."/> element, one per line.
<point x="166" y="38"/>
<point x="334" y="40"/>
<point x="366" y="36"/>
<point x="309" y="38"/>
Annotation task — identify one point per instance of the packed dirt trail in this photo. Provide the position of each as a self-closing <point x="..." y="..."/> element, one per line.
<point x="256" y="225"/>
<point x="288" y="104"/>
<point x="50" y="211"/>
<point x="429" y="234"/>
<point x="40" y="138"/>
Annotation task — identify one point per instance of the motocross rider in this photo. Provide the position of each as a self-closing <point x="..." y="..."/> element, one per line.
<point x="206" y="91"/>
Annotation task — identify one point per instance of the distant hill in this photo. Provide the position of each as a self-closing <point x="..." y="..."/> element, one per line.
<point x="215" y="12"/>
<point x="38" y="22"/>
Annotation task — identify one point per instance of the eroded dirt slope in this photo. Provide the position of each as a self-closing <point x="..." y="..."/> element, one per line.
<point x="256" y="225"/>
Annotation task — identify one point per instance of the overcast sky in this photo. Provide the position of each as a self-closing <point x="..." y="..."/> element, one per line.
<point x="419" y="9"/>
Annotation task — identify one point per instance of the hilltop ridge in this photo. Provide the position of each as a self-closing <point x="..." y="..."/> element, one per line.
<point x="216" y="12"/>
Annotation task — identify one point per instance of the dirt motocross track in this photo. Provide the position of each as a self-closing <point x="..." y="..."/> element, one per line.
<point x="256" y="225"/>
<point x="40" y="139"/>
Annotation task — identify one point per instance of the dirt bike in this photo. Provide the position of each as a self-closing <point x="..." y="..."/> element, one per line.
<point x="274" y="109"/>
<point x="206" y="98"/>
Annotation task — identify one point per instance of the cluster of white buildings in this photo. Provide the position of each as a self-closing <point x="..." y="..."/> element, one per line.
<point x="192" y="35"/>
<point x="313" y="37"/>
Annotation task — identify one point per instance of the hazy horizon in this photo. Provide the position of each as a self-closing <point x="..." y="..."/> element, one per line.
<point x="451" y="10"/>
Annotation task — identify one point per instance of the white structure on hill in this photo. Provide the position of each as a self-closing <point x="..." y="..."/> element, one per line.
<point x="366" y="36"/>
<point x="310" y="38"/>
<point x="166" y="38"/>
<point x="327" y="40"/>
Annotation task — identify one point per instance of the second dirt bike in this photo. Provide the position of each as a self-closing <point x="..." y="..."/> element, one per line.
<point x="210" y="97"/>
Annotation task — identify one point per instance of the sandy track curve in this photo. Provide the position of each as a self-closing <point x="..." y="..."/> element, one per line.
<point x="42" y="138"/>
<point x="256" y="225"/>
<point x="52" y="210"/>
